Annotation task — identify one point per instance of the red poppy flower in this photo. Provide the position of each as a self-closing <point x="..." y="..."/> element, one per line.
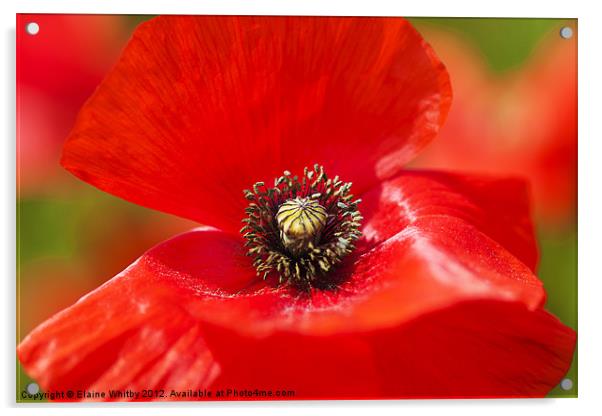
<point x="439" y="296"/>
<point x="519" y="123"/>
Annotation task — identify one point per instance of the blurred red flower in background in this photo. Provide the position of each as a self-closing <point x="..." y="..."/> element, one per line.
<point x="57" y="70"/>
<point x="438" y="300"/>
<point x="522" y="123"/>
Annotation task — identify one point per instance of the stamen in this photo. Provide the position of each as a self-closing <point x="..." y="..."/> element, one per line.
<point x="300" y="229"/>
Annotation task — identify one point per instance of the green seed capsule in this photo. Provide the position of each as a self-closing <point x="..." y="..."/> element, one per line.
<point x="300" y="221"/>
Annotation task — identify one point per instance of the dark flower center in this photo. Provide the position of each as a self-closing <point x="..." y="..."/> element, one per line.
<point x="300" y="228"/>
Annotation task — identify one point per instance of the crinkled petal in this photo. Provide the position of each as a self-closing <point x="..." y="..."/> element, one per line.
<point x="438" y="309"/>
<point x="199" y="108"/>
<point x="498" y="207"/>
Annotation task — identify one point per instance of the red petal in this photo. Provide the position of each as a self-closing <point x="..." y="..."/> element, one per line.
<point x="476" y="349"/>
<point x="498" y="207"/>
<point x="132" y="332"/>
<point x="200" y="108"/>
<point x="438" y="309"/>
<point x="471" y="349"/>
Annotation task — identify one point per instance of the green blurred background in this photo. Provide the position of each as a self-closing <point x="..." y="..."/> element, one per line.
<point x="72" y="237"/>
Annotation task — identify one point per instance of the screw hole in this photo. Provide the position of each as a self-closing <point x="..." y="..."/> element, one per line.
<point x="33" y="388"/>
<point x="566" y="32"/>
<point x="32" y="28"/>
<point x="566" y="384"/>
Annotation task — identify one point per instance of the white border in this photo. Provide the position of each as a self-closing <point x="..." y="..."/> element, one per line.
<point x="590" y="207"/>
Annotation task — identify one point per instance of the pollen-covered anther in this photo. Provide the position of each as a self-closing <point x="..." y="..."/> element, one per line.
<point x="301" y="228"/>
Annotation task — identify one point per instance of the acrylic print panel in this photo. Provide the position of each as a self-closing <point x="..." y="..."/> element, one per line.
<point x="290" y="208"/>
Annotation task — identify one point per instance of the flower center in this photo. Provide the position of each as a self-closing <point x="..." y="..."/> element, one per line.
<point x="301" y="228"/>
<point x="301" y="221"/>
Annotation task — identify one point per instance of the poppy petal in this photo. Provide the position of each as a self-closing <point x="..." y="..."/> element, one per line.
<point x="453" y="353"/>
<point x="117" y="337"/>
<point x="473" y="349"/>
<point x="498" y="207"/>
<point x="199" y="108"/>
<point x="438" y="309"/>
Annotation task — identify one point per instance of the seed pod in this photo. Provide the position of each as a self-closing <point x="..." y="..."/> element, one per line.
<point x="300" y="221"/>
